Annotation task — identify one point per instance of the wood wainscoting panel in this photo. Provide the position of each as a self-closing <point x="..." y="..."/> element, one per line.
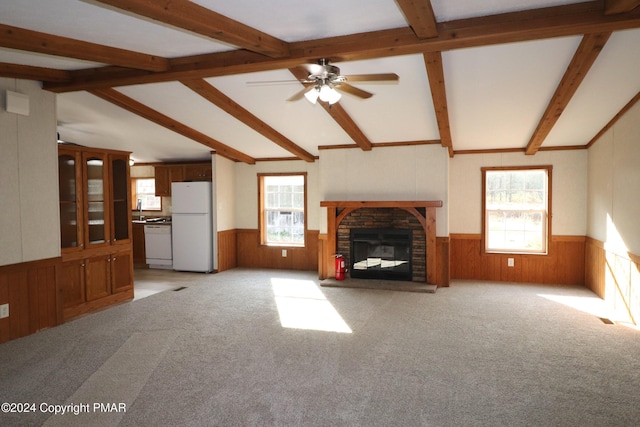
<point x="614" y="277"/>
<point x="322" y="257"/>
<point x="251" y="254"/>
<point x="30" y="290"/>
<point x="443" y="267"/>
<point x="565" y="263"/>
<point x="227" y="250"/>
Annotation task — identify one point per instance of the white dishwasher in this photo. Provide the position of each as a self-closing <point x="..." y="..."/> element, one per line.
<point x="157" y="242"/>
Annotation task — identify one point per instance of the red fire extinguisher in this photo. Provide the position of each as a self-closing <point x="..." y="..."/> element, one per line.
<point x="340" y="269"/>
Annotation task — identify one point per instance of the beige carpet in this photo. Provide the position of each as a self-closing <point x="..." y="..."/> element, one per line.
<point x="271" y="348"/>
<point x="385" y="285"/>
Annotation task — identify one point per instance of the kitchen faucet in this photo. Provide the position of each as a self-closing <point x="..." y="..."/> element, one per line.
<point x="139" y="208"/>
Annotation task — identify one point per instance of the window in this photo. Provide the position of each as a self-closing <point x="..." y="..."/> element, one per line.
<point x="516" y="209"/>
<point x="144" y="189"/>
<point x="283" y="204"/>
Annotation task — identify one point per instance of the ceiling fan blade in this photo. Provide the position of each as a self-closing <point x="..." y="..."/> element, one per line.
<point x="388" y="77"/>
<point x="346" y="87"/>
<point x="298" y="95"/>
<point x="272" y="82"/>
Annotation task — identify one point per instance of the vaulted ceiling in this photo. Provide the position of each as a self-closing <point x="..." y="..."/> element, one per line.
<point x="174" y="80"/>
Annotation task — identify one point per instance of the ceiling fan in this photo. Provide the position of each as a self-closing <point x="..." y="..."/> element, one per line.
<point x="324" y="82"/>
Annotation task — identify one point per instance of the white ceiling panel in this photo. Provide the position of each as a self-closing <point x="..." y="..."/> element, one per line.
<point x="295" y="20"/>
<point x="610" y="84"/>
<point x="87" y="120"/>
<point x="95" y="23"/>
<point x="412" y="118"/>
<point x="497" y="94"/>
<point x="177" y="101"/>
<point x="447" y="10"/>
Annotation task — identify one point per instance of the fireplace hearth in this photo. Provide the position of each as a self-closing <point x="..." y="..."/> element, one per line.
<point x="381" y="254"/>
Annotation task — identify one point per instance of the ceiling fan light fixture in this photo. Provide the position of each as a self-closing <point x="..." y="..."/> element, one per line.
<point x="329" y="94"/>
<point x="312" y="95"/>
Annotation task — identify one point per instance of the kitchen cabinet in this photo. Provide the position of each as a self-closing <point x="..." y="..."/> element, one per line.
<point x="96" y="229"/>
<point x="163" y="180"/>
<point x="166" y="174"/>
<point x="197" y="172"/>
<point x="139" y="250"/>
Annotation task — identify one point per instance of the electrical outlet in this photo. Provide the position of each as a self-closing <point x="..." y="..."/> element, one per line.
<point x="284" y="253"/>
<point x="510" y="262"/>
<point x="4" y="311"/>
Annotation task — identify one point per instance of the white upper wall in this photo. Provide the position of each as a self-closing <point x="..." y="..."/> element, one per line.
<point x="413" y="172"/>
<point x="29" y="210"/>
<point x="569" y="191"/>
<point x="614" y="179"/>
<point x="224" y="192"/>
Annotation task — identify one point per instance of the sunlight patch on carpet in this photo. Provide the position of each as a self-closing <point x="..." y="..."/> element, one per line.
<point x="590" y="305"/>
<point x="302" y="305"/>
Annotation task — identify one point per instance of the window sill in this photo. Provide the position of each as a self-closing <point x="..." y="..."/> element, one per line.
<point x="515" y="253"/>
<point x="284" y="245"/>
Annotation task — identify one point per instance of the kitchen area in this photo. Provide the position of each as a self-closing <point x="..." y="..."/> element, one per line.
<point x="172" y="227"/>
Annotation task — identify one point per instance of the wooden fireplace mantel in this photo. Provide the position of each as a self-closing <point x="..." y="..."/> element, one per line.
<point x="337" y="210"/>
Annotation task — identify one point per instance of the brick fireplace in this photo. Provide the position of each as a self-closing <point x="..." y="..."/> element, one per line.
<point x="384" y="221"/>
<point x="417" y="216"/>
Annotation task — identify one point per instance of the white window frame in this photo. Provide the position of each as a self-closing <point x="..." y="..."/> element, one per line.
<point x="136" y="194"/>
<point x="545" y="212"/>
<point x="264" y="210"/>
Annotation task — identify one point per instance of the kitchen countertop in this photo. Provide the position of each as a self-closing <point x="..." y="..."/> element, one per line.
<point x="153" y="221"/>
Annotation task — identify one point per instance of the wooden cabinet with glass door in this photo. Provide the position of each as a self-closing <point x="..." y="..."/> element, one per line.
<point x="120" y="199"/>
<point x="97" y="199"/>
<point x="71" y="204"/>
<point x="95" y="227"/>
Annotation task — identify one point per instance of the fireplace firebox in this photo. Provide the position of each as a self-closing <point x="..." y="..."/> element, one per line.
<point x="381" y="254"/>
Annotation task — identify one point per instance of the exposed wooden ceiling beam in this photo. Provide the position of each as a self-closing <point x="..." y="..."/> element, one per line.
<point x="348" y="125"/>
<point x="33" y="41"/>
<point x="340" y="116"/>
<point x="198" y="19"/>
<point x="213" y="95"/>
<point x="615" y="118"/>
<point x="582" y="60"/>
<point x="419" y="15"/>
<point x="568" y="20"/>
<point x="612" y="7"/>
<point x="33" y="73"/>
<point x="123" y="101"/>
<point x="433" y="62"/>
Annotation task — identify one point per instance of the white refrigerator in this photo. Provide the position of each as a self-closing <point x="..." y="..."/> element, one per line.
<point x="192" y="229"/>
